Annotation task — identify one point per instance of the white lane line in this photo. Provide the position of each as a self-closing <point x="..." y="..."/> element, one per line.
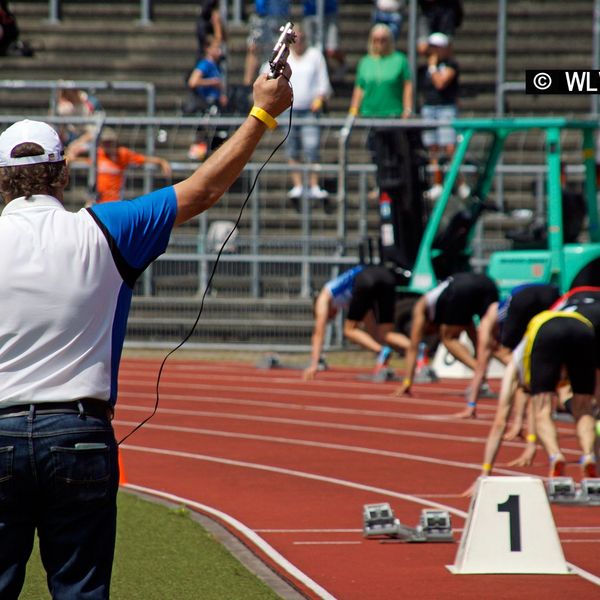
<point x="348" y="543"/>
<point x="331" y="446"/>
<point x="584" y="574"/>
<point x="295" y="473"/>
<point x="303" y="423"/>
<point x="327" y="531"/>
<point x="250" y="535"/>
<point x="292" y="391"/>
<point x="332" y="480"/>
<point x="307" y="408"/>
<point x="293" y="378"/>
<point x="316" y="424"/>
<point x="337" y="410"/>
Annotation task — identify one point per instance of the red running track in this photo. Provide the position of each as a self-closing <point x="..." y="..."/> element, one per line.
<point x="289" y="464"/>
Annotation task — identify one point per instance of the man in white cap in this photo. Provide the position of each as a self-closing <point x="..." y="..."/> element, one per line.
<point x="66" y="283"/>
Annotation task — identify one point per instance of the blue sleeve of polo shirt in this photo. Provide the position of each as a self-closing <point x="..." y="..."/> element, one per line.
<point x="138" y="230"/>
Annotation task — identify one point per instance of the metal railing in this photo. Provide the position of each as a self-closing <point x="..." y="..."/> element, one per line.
<point x="146" y="12"/>
<point x="283" y="264"/>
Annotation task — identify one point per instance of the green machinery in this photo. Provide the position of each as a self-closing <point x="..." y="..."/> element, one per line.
<point x="446" y="246"/>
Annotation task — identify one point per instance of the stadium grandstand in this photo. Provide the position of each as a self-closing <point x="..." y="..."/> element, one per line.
<point x="134" y="57"/>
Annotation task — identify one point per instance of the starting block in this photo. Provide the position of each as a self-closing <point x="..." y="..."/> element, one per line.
<point x="273" y="361"/>
<point x="379" y="521"/>
<point x="562" y="490"/>
<point x="435" y="526"/>
<point x="383" y="375"/>
<point x="426" y="375"/>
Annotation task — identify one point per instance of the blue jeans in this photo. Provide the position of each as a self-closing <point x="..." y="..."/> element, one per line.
<point x="59" y="474"/>
<point x="304" y="140"/>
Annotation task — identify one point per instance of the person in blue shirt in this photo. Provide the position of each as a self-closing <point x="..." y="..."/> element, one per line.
<point x="208" y="86"/>
<point x="206" y="80"/>
<point x="367" y="293"/>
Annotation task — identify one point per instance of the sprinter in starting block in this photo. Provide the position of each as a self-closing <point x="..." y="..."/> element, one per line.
<point x="499" y="332"/>
<point x="556" y="344"/>
<point x="367" y="292"/>
<point x="450" y="309"/>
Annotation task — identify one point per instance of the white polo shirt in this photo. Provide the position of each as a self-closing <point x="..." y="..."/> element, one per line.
<point x="66" y="281"/>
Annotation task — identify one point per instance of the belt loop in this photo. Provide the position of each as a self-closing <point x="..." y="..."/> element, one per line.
<point x="81" y="409"/>
<point x="31" y="415"/>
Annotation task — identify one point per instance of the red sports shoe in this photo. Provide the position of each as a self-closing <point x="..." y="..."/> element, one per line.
<point x="588" y="467"/>
<point x="557" y="466"/>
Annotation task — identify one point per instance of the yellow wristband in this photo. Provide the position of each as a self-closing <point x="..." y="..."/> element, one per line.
<point x="264" y="116"/>
<point x="353" y="110"/>
<point x="407" y="381"/>
<point x="532" y="437"/>
<point x="486" y="467"/>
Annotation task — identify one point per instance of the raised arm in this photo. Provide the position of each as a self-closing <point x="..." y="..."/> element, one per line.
<point x="213" y="178"/>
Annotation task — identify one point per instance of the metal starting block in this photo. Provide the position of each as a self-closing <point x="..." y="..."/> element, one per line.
<point x="590" y="490"/>
<point x="383" y="375"/>
<point x="435" y="525"/>
<point x="271" y="361"/>
<point x="426" y="375"/>
<point x="379" y="521"/>
<point x="562" y="490"/>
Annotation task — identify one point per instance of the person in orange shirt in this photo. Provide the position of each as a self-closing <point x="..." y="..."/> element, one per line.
<point x="113" y="160"/>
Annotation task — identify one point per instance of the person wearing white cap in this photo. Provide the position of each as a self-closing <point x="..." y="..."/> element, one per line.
<point x="439" y="86"/>
<point x="66" y="282"/>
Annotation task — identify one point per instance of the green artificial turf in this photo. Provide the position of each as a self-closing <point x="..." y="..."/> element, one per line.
<point x="163" y="554"/>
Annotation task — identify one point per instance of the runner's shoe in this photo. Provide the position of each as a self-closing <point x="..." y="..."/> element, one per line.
<point x="588" y="466"/>
<point x="383" y="358"/>
<point x="486" y="392"/>
<point x="557" y="465"/>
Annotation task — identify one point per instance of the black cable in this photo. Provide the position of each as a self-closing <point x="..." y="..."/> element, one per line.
<point x="212" y="274"/>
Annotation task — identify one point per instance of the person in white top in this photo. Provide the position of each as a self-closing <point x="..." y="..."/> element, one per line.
<point x="311" y="89"/>
<point x="66" y="285"/>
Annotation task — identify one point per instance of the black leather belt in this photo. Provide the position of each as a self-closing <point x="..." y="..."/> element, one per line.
<point x="84" y="406"/>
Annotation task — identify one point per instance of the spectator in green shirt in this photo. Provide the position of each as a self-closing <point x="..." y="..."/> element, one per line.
<point x="383" y="86"/>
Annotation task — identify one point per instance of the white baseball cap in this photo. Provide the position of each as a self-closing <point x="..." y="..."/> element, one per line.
<point x="440" y="40"/>
<point x="35" y="132"/>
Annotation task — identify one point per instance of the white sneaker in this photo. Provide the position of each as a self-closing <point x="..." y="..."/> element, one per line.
<point x="464" y="191"/>
<point x="296" y="192"/>
<point x="317" y="193"/>
<point x="433" y="193"/>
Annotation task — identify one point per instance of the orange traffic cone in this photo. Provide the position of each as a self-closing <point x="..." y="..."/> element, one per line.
<point x="122" y="479"/>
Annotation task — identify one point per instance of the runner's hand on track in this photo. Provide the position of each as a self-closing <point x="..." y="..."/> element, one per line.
<point x="403" y="390"/>
<point x="309" y="373"/>
<point x="526" y="457"/>
<point x="467" y="413"/>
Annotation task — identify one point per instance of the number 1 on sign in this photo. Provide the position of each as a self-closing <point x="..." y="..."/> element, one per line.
<point x="511" y="506"/>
